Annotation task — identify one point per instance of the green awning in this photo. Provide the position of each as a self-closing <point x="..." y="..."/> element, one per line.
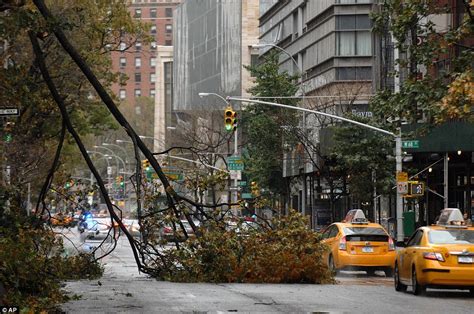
<point x="448" y="137"/>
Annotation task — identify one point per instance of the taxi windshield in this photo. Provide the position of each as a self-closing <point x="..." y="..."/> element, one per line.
<point x="459" y="236"/>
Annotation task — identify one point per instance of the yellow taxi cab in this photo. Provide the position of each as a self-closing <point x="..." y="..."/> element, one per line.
<point x="357" y="244"/>
<point x="438" y="256"/>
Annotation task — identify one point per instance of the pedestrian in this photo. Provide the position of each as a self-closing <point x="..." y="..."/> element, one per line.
<point x="467" y="221"/>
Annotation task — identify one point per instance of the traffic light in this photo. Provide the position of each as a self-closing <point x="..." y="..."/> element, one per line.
<point x="120" y="182"/>
<point x="254" y="188"/>
<point x="230" y="119"/>
<point x="8" y="128"/>
<point x="69" y="184"/>
<point x="146" y="165"/>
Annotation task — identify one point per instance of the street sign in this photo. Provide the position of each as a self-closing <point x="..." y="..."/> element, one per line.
<point x="109" y="170"/>
<point x="402" y="176"/>
<point x="235" y="163"/>
<point x="247" y="195"/>
<point x="5" y="112"/>
<point x="402" y="187"/>
<point x="236" y="174"/>
<point x="411" y="144"/>
<point x="242" y="183"/>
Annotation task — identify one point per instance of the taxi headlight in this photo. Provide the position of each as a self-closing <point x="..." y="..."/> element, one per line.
<point x="433" y="256"/>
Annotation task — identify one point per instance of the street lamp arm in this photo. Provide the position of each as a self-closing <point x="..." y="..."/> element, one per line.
<point x="214" y="94"/>
<point x="197" y="162"/>
<point x="313" y="111"/>
<point x="280" y="49"/>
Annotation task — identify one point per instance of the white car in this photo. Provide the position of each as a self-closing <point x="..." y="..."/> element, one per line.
<point x="98" y="229"/>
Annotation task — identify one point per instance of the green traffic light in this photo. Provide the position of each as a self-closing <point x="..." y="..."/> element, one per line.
<point x="122" y="183"/>
<point x="228" y="127"/>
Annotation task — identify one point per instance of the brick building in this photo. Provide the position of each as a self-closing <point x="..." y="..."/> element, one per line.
<point x="139" y="61"/>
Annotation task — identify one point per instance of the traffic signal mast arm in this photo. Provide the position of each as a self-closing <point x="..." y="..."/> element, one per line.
<point x="398" y="147"/>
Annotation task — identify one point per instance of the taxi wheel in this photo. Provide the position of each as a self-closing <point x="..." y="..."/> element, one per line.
<point x="398" y="285"/>
<point x="416" y="287"/>
<point x="370" y="272"/>
<point x="471" y="292"/>
<point x="332" y="265"/>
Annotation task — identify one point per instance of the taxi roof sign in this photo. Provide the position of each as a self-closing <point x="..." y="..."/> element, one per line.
<point x="356" y="216"/>
<point x="451" y="217"/>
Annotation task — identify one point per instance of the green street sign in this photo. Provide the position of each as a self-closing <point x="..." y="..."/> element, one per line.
<point x="411" y="144"/>
<point x="235" y="163"/>
<point x="242" y="183"/>
<point x="247" y="195"/>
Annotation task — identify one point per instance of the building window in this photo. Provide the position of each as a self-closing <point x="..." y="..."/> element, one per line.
<point x="153" y="13"/>
<point x="169" y="12"/>
<point x="122" y="46"/>
<point x="152" y="77"/>
<point x="138" y="92"/>
<point x="138" y="13"/>
<point x="153" y="45"/>
<point x="169" y="28"/>
<point x="138" y="77"/>
<point x="153" y="29"/>
<point x="123" y="61"/>
<point x="168" y="42"/>
<point x="152" y="93"/>
<point x="354" y="44"/>
<point x="122" y="94"/>
<point x="353" y="22"/>
<point x="138" y="46"/>
<point x="138" y="62"/>
<point x="153" y="62"/>
<point x="354" y="73"/>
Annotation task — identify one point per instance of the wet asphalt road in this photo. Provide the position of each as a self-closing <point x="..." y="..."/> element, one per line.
<point x="123" y="289"/>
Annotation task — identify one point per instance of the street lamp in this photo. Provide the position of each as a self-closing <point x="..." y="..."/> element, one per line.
<point x="109" y="169"/>
<point x="127" y="157"/>
<point x="398" y="148"/>
<point x="111" y="154"/>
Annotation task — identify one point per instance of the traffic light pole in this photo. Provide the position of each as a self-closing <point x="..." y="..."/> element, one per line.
<point x="398" y="148"/>
<point x="236" y="153"/>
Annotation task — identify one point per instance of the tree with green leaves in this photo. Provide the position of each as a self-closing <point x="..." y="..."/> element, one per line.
<point x="265" y="128"/>
<point x="436" y="61"/>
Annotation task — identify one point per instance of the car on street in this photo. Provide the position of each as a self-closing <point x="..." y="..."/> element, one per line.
<point x="132" y="226"/>
<point x="437" y="256"/>
<point x="168" y="234"/>
<point x="61" y="220"/>
<point x="357" y="244"/>
<point x="98" y="229"/>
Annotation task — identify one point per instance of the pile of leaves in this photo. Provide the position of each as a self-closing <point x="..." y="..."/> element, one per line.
<point x="283" y="251"/>
<point x="32" y="264"/>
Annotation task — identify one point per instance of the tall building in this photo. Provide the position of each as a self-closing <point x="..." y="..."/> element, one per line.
<point x="212" y="42"/>
<point x="139" y="61"/>
<point x="331" y="45"/>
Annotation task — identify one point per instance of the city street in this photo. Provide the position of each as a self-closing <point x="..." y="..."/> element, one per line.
<point x="124" y="289"/>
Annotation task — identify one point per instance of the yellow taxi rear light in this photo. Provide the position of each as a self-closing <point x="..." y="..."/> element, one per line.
<point x="433" y="256"/>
